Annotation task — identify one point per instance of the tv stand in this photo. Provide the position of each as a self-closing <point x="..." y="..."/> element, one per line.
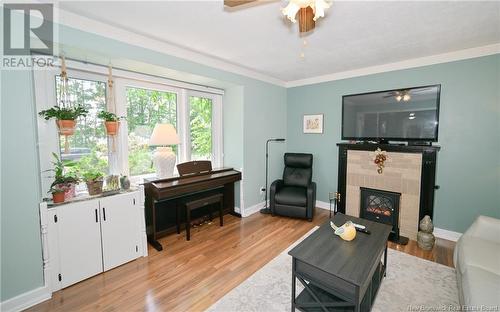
<point x="419" y="143"/>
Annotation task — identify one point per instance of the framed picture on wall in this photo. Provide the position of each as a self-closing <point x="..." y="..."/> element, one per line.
<point x="313" y="123"/>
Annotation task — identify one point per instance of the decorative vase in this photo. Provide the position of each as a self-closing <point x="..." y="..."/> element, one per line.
<point x="426" y="224"/>
<point x="66" y="127"/>
<point x="425" y="238"/>
<point x="125" y="182"/>
<point x="112" y="127"/>
<point x="94" y="187"/>
<point x="58" y="197"/>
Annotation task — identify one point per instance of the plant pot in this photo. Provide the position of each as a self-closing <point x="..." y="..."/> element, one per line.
<point x="112" y="127"/>
<point x="66" y="127"/>
<point x="94" y="187"/>
<point x="70" y="191"/>
<point x="58" y="197"/>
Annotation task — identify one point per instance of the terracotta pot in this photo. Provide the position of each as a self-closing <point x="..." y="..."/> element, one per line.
<point x="94" y="187"/>
<point x="66" y="127"/>
<point x="112" y="127"/>
<point x="58" y="197"/>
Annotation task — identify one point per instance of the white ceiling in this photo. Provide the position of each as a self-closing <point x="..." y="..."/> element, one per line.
<point x="352" y="35"/>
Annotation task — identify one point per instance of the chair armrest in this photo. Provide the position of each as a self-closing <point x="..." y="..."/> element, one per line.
<point x="311" y="200"/>
<point x="275" y="187"/>
<point x="486" y="228"/>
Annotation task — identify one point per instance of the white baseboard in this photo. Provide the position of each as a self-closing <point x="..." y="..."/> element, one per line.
<point x="26" y="300"/>
<point x="447" y="234"/>
<point x="253" y="209"/>
<point x="323" y="205"/>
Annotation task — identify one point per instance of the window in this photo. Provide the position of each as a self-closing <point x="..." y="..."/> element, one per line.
<point x="88" y="145"/>
<point x="146" y="108"/>
<point x="200" y="128"/>
<point x="144" y="101"/>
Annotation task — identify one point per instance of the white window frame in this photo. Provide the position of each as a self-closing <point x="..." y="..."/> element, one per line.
<point x="45" y="97"/>
<point x="217" y="139"/>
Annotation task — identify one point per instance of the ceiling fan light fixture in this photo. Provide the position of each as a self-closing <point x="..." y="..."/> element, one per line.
<point x="406" y="97"/>
<point x="294" y="6"/>
<point x="399" y="97"/>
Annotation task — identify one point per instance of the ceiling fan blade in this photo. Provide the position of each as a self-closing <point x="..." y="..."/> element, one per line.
<point x="233" y="3"/>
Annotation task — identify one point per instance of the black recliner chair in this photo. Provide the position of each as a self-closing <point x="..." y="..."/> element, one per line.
<point x="295" y="194"/>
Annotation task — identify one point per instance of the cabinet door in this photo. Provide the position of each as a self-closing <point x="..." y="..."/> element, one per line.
<point x="79" y="234"/>
<point x="120" y="229"/>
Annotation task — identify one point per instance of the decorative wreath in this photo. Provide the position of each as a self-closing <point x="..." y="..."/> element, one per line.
<point x="379" y="160"/>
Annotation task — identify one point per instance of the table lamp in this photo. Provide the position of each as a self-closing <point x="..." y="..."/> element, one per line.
<point x="164" y="158"/>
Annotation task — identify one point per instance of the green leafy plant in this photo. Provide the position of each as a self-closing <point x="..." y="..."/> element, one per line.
<point x="92" y="176"/>
<point x="64" y="113"/>
<point x="58" y="189"/>
<point x="60" y="178"/>
<point x="108" y="116"/>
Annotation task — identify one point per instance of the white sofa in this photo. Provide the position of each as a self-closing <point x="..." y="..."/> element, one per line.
<point x="477" y="262"/>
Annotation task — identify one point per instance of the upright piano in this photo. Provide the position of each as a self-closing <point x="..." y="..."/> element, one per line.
<point x="163" y="195"/>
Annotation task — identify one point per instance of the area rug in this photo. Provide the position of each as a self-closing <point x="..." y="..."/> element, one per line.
<point x="411" y="284"/>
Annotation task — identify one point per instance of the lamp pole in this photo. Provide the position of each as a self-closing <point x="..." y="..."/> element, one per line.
<point x="266" y="209"/>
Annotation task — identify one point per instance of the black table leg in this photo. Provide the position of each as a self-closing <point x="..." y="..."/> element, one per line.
<point x="221" y="213"/>
<point x="385" y="259"/>
<point x="188" y="224"/>
<point x="156" y="244"/>
<point x="293" y="284"/>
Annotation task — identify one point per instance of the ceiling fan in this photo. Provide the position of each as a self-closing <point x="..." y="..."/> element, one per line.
<point x="308" y="11"/>
<point x="404" y="95"/>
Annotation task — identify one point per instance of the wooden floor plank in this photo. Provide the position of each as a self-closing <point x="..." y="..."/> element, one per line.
<point x="191" y="276"/>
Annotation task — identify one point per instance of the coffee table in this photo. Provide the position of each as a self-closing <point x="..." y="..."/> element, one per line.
<point x="339" y="275"/>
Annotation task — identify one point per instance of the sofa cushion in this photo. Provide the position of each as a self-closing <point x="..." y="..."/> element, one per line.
<point x="291" y="195"/>
<point x="473" y="251"/>
<point x="480" y="287"/>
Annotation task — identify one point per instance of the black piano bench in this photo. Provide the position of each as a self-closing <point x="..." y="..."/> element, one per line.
<point x="199" y="203"/>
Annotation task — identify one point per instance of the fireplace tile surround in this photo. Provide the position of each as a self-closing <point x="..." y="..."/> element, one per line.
<point x="409" y="170"/>
<point x="401" y="175"/>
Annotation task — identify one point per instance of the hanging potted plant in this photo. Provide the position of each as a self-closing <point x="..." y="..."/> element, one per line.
<point x="94" y="180"/>
<point x="111" y="121"/>
<point x="65" y="117"/>
<point x="57" y="194"/>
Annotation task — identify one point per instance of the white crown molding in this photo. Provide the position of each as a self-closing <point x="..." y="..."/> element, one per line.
<point x="412" y="63"/>
<point x="92" y="26"/>
<point x="99" y="28"/>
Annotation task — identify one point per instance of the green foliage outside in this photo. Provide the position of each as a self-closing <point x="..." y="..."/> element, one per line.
<point x="146" y="108"/>
<point x="200" y="121"/>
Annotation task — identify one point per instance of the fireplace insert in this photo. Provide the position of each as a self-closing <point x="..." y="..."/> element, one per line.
<point x="382" y="206"/>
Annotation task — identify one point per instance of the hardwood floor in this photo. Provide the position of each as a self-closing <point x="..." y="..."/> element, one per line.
<point x="191" y="276"/>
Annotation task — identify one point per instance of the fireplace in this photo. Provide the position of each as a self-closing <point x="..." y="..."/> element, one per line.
<point x="382" y="206"/>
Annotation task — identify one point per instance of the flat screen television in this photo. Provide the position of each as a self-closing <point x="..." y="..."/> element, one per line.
<point x="409" y="114"/>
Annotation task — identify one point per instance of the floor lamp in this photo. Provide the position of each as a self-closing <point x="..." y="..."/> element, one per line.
<point x="267" y="210"/>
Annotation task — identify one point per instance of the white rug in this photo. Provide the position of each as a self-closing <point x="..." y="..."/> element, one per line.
<point x="411" y="284"/>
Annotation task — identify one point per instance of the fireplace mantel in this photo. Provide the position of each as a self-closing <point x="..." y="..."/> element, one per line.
<point x="426" y="175"/>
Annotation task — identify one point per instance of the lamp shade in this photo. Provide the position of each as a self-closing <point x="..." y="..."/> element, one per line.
<point x="164" y="134"/>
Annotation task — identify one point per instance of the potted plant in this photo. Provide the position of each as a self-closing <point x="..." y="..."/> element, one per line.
<point x="65" y="117"/>
<point x="62" y="180"/>
<point x="94" y="180"/>
<point x="57" y="194"/>
<point x="111" y="121"/>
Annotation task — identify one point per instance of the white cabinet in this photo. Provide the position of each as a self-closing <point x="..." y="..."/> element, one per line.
<point x="80" y="252"/>
<point x="120" y="230"/>
<point x="85" y="238"/>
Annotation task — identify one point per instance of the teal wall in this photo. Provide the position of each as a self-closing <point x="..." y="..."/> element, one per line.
<point x="468" y="168"/>
<point x="21" y="255"/>
<point x="249" y="108"/>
